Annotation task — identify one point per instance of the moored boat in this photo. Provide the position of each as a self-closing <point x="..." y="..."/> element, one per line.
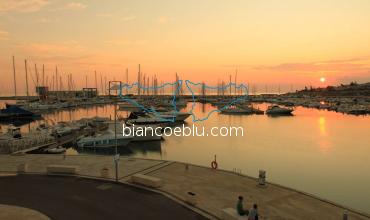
<point x="16" y="112"/>
<point x="56" y="150"/>
<point x="171" y="116"/>
<point x="236" y="110"/>
<point x="277" y="110"/>
<point x="105" y="140"/>
<point x="143" y="118"/>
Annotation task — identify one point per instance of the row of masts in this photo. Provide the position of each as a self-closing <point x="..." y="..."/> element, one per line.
<point x="57" y="80"/>
<point x="146" y="84"/>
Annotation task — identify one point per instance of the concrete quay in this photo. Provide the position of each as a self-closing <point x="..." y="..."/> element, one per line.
<point x="214" y="189"/>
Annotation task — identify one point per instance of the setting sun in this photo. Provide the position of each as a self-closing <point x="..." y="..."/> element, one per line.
<point x="322" y="79"/>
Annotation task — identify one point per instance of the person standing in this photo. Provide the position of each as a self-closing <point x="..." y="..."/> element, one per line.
<point x="253" y="213"/>
<point x="239" y="207"/>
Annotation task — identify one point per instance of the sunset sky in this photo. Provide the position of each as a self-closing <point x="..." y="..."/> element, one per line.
<point x="270" y="42"/>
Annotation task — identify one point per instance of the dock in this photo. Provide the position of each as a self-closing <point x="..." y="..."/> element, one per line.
<point x="214" y="189"/>
<point x="35" y="146"/>
<point x="56" y="143"/>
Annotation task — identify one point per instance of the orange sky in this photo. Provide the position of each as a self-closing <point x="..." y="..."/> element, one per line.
<point x="270" y="42"/>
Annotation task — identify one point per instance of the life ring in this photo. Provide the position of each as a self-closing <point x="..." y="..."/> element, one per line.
<point x="214" y="165"/>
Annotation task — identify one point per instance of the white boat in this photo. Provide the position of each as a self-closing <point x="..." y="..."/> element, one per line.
<point x="62" y="131"/>
<point x="277" y="110"/>
<point x="56" y="150"/>
<point x="105" y="140"/>
<point x="236" y="110"/>
<point x="142" y="118"/>
<point x="249" y="107"/>
<point x="40" y="106"/>
<point x="171" y="116"/>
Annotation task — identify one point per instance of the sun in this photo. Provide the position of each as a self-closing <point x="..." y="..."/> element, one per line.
<point x="322" y="79"/>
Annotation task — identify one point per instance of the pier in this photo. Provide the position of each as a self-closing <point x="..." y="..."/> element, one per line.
<point x="56" y="143"/>
<point x="214" y="190"/>
<point x="35" y="143"/>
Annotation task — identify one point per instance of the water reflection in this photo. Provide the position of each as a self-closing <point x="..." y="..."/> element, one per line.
<point x="316" y="151"/>
<point x="323" y="142"/>
<point x="322" y="126"/>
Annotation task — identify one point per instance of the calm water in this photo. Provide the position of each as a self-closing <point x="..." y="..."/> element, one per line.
<point x="320" y="152"/>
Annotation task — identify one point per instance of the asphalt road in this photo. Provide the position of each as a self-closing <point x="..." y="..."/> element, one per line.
<point x="79" y="198"/>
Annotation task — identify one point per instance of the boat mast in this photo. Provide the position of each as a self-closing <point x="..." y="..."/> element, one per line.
<point x="68" y="83"/>
<point x="47" y="81"/>
<point x="61" y="83"/>
<point x="126" y="81"/>
<point x="37" y="76"/>
<point x="96" y="81"/>
<point x="72" y="83"/>
<point x="15" y="82"/>
<point x="25" y="67"/>
<point x="52" y="85"/>
<point x="138" y="81"/>
<point x="101" y="83"/>
<point x="43" y="75"/>
<point x="115" y="134"/>
<point x="105" y="85"/>
<point x="56" y="78"/>
<point x="56" y="81"/>
<point x="230" y="83"/>
<point x="236" y="74"/>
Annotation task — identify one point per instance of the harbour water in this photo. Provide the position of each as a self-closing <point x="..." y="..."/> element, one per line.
<point x="316" y="151"/>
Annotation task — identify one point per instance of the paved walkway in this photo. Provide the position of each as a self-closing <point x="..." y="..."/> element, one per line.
<point x="9" y="212"/>
<point x="76" y="198"/>
<point x="217" y="190"/>
<point x="214" y="190"/>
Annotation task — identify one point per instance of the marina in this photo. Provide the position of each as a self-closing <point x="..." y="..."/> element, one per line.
<point x="186" y="110"/>
<point x="332" y="144"/>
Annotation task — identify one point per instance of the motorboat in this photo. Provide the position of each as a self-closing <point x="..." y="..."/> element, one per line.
<point x="277" y="110"/>
<point x="236" y="110"/>
<point x="98" y="123"/>
<point x="171" y="116"/>
<point x="56" y="150"/>
<point x="16" y="112"/>
<point x="250" y="108"/>
<point x="41" y="106"/>
<point x="144" y="118"/>
<point x="105" y="140"/>
<point x="62" y="131"/>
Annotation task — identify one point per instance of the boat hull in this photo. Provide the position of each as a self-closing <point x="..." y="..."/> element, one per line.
<point x="106" y="143"/>
<point x="280" y="112"/>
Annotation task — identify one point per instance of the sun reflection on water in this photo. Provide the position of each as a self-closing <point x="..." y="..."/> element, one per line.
<point x="324" y="143"/>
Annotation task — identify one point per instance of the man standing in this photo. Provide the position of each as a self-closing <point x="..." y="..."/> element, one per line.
<point x="239" y="207"/>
